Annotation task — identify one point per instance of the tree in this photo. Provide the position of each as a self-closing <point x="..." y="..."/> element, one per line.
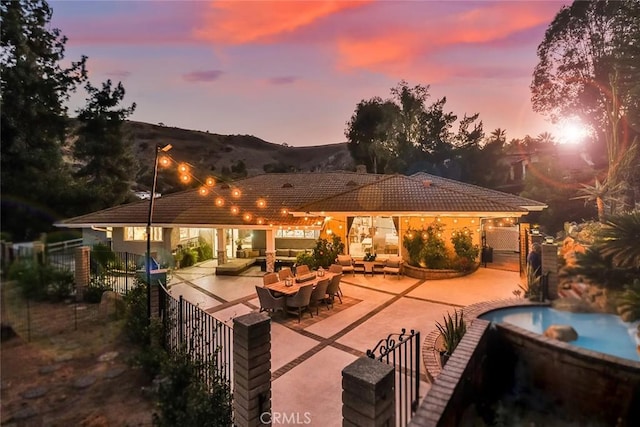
<point x="368" y="132"/>
<point x="34" y="87"/>
<point x="589" y="68"/>
<point x="109" y="166"/>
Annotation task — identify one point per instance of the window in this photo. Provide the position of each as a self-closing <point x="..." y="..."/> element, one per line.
<point x="298" y="234"/>
<point x="139" y="234"/>
<point x="373" y="234"/>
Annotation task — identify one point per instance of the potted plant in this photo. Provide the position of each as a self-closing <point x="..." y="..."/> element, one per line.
<point x="369" y="257"/>
<point x="452" y="332"/>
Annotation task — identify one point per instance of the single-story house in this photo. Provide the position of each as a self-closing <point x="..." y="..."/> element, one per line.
<point x="266" y="215"/>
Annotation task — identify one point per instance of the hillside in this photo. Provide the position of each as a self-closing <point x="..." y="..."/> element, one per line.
<point x="211" y="153"/>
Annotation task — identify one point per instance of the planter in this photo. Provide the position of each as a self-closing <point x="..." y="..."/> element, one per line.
<point x="431" y="274"/>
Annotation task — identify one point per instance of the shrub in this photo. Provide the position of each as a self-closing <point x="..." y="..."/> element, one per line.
<point x="41" y="282"/>
<point x="466" y="252"/>
<point x="426" y="247"/>
<point x="204" y="249"/>
<point x="412" y="241"/>
<point x="452" y="330"/>
<point x="97" y="286"/>
<point x="103" y="258"/>
<point x="629" y="306"/>
<point x="533" y="287"/>
<point x="324" y="254"/>
<point x="183" y="399"/>
<point x="186" y="257"/>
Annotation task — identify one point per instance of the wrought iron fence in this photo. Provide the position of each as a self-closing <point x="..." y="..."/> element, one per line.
<point x="203" y="337"/>
<point x="403" y="352"/>
<point x="117" y="271"/>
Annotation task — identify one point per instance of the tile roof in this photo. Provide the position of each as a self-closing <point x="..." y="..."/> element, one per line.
<point x="398" y="193"/>
<point x="306" y="192"/>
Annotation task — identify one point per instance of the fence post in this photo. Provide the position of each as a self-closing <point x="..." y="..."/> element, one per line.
<point x="368" y="394"/>
<point x="252" y="370"/>
<point x="180" y="321"/>
<point x="82" y="273"/>
<point x="550" y="268"/>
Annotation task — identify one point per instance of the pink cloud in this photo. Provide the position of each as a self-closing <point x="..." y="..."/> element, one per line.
<point x="202" y="76"/>
<point x="283" y="80"/>
<point x="118" y="74"/>
<point x="237" y="22"/>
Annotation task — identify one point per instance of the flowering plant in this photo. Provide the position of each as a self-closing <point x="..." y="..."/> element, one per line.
<point x="369" y="257"/>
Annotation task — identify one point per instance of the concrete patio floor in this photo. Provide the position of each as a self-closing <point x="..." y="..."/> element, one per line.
<point x="306" y="365"/>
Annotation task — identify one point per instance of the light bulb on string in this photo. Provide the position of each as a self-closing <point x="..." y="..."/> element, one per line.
<point x="210" y="182"/>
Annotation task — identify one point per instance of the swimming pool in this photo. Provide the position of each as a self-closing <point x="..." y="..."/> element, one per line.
<point x="604" y="333"/>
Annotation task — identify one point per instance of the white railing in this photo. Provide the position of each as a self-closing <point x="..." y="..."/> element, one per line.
<point x="63" y="246"/>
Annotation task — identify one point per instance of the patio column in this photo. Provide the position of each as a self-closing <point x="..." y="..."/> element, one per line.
<point x="222" y="245"/>
<point x="368" y="394"/>
<point x="252" y="370"/>
<point x="550" y="266"/>
<point x="270" y="252"/>
<point x="82" y="271"/>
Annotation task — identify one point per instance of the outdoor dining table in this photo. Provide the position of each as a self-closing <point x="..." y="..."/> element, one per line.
<point x="293" y="289"/>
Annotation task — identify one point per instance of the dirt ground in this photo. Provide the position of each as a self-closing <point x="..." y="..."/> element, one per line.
<point x="69" y="366"/>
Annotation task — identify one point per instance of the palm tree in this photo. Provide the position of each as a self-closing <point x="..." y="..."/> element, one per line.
<point x="545" y="138"/>
<point x="602" y="193"/>
<point x="620" y="238"/>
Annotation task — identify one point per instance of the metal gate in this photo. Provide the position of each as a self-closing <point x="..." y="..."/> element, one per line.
<point x="403" y="352"/>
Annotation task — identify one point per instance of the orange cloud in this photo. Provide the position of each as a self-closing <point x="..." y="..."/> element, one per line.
<point x="238" y="22"/>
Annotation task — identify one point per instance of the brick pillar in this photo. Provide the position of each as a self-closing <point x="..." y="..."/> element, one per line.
<point x="271" y="261"/>
<point x="82" y="273"/>
<point x="550" y="265"/>
<point x="222" y="245"/>
<point x="252" y="370"/>
<point x="368" y="394"/>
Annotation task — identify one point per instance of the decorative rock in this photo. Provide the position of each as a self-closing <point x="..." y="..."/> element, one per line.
<point x="115" y="372"/>
<point x="561" y="333"/>
<point x="84" y="382"/>
<point x="44" y="370"/>
<point x="95" y="420"/>
<point x="24" y="413"/>
<point x="111" y="304"/>
<point x="34" y="393"/>
<point x="63" y="358"/>
<point x="108" y="357"/>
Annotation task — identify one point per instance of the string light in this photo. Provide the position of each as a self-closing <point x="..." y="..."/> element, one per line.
<point x="247" y="217"/>
<point x="164" y="161"/>
<point x="185" y="178"/>
<point x="183" y="168"/>
<point x="235" y="210"/>
<point x="219" y="201"/>
<point x="210" y="182"/>
<point x="235" y="193"/>
<point x="262" y="203"/>
<point x="203" y="191"/>
<point x="284" y="211"/>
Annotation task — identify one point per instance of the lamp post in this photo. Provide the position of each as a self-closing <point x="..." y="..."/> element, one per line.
<point x="152" y="197"/>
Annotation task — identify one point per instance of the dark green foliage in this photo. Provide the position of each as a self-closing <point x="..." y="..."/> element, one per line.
<point x="184" y="400"/>
<point x="41" y="282"/>
<point x="186" y="257"/>
<point x="136" y="320"/>
<point x="599" y="269"/>
<point x="412" y="241"/>
<point x="102" y="259"/>
<point x="204" y="250"/>
<point x="369" y="257"/>
<point x="103" y="148"/>
<point x="324" y="254"/>
<point x="34" y="87"/>
<point x="629" y="305"/>
<point x="97" y="286"/>
<point x="533" y="287"/>
<point x="620" y="240"/>
<point x="466" y="252"/>
<point x="452" y="330"/>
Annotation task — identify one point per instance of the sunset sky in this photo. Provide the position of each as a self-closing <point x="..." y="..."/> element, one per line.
<point x="293" y="72"/>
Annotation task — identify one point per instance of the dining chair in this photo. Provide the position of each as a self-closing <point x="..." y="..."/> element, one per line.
<point x="299" y="302"/>
<point x="302" y="269"/>
<point x="347" y="264"/>
<point x="333" y="289"/>
<point x="270" y="278"/>
<point x="284" y="273"/>
<point x="268" y="302"/>
<point x="319" y="294"/>
<point x="335" y="268"/>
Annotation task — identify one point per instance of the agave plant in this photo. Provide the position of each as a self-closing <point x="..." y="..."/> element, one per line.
<point x="452" y="330"/>
<point x="533" y="285"/>
<point x="629" y="306"/>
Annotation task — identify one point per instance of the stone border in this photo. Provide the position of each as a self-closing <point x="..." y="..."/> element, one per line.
<point x="432" y="274"/>
<point x="431" y="356"/>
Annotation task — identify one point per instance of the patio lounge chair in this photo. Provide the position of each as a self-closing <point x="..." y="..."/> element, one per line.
<point x="393" y="265"/>
<point x="347" y="264"/>
<point x="300" y="301"/>
<point x="268" y="302"/>
<point x="334" y="289"/>
<point x="319" y="294"/>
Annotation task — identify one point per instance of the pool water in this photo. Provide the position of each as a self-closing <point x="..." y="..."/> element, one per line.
<point x="604" y="333"/>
